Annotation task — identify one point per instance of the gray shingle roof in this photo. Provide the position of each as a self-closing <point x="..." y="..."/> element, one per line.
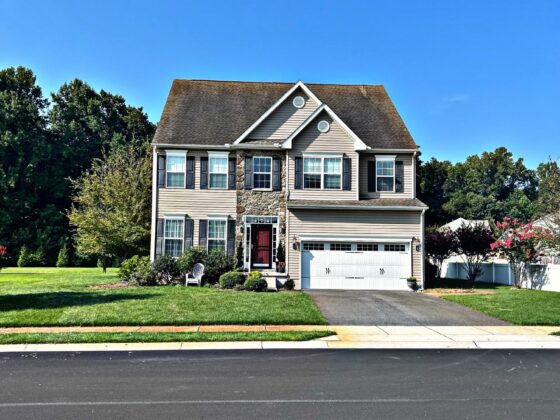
<point x="358" y="204"/>
<point x="205" y="112"/>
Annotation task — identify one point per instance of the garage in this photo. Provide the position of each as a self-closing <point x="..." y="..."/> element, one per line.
<point x="346" y="265"/>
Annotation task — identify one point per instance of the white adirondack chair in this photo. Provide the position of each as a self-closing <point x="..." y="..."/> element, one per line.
<point x="195" y="277"/>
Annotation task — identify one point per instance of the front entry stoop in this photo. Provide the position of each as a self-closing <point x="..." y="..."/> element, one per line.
<point x="274" y="279"/>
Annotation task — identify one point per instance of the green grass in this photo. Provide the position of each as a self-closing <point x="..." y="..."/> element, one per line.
<point x="62" y="297"/>
<point x="517" y="306"/>
<point x="146" y="337"/>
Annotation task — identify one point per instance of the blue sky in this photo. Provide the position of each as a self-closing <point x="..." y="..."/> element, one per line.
<point x="466" y="76"/>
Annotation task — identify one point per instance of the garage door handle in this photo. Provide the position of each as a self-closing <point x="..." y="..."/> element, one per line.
<point x="381" y="271"/>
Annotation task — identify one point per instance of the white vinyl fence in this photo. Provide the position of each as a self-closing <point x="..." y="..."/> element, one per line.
<point x="541" y="276"/>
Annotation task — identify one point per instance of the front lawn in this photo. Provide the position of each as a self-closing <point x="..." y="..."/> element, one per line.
<point x="518" y="306"/>
<point x="146" y="337"/>
<point x="65" y="297"/>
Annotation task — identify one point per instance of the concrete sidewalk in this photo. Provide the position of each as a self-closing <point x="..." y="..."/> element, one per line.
<point x="348" y="337"/>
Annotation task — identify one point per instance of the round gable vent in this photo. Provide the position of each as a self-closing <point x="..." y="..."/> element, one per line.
<point x="299" y="102"/>
<point x="323" y="126"/>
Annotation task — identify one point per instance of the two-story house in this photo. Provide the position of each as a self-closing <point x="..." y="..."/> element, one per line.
<point x="327" y="170"/>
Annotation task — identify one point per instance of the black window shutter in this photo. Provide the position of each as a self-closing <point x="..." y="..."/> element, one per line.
<point x="232" y="173"/>
<point x="371" y="176"/>
<point x="276" y="174"/>
<point x="299" y="173"/>
<point x="161" y="171"/>
<point x="203" y="173"/>
<point x="159" y="238"/>
<point x="203" y="233"/>
<point x="190" y="173"/>
<point x="346" y="173"/>
<point x="189" y="228"/>
<point x="231" y="238"/>
<point x="248" y="172"/>
<point x="399" y="176"/>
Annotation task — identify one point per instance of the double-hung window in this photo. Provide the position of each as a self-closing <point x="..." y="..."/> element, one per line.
<point x="217" y="230"/>
<point x="385" y="173"/>
<point x="175" y="167"/>
<point x="262" y="172"/>
<point x="322" y="172"/>
<point x="218" y="170"/>
<point x="173" y="236"/>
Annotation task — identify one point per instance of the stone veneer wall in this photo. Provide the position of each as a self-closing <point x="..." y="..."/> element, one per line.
<point x="260" y="203"/>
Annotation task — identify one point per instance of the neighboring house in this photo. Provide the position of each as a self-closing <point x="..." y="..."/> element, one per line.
<point x="326" y="170"/>
<point x="457" y="223"/>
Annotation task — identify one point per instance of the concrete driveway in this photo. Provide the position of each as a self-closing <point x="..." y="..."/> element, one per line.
<point x="377" y="307"/>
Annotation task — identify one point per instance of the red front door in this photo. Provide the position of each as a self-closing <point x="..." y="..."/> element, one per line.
<point x="261" y="240"/>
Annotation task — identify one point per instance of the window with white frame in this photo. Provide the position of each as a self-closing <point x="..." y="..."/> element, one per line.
<point x="322" y="172"/>
<point x="218" y="171"/>
<point x="217" y="231"/>
<point x="173" y="236"/>
<point x="385" y="173"/>
<point x="175" y="167"/>
<point x="262" y="172"/>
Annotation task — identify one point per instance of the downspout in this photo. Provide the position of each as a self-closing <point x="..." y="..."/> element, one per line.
<point x="286" y="216"/>
<point x="154" y="204"/>
<point x="414" y="174"/>
<point x="422" y="262"/>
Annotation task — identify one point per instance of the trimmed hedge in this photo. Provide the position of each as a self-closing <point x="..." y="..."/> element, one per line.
<point x="231" y="279"/>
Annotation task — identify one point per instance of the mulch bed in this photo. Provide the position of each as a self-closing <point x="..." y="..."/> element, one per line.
<point x="443" y="292"/>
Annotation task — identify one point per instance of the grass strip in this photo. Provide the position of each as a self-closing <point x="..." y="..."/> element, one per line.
<point x="159" y="337"/>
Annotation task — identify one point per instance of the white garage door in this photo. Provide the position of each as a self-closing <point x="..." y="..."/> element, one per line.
<point x="355" y="266"/>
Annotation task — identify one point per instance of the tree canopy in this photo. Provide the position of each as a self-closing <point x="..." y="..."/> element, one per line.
<point x="42" y="147"/>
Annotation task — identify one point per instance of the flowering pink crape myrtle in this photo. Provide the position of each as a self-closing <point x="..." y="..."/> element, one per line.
<point x="521" y="243"/>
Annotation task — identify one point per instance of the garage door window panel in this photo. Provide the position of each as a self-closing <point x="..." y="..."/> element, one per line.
<point x="394" y="248"/>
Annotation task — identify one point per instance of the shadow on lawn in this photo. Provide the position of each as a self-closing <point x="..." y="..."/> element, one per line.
<point x="61" y="299"/>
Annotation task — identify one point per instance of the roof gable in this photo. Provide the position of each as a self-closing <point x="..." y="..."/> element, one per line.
<point x="324" y="109"/>
<point x="284" y="119"/>
<point x="298" y="86"/>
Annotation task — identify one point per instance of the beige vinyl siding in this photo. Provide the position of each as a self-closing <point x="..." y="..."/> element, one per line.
<point x="311" y="140"/>
<point x="408" y="178"/>
<point x="196" y="203"/>
<point x="285" y="119"/>
<point x="359" y="223"/>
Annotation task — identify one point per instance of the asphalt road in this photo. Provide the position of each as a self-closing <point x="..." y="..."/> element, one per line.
<point x="381" y="307"/>
<point x="295" y="384"/>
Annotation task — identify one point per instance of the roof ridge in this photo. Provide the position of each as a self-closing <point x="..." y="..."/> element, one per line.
<point x="278" y="83"/>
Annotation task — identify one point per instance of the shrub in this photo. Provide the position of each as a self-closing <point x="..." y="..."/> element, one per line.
<point x="190" y="257"/>
<point x="132" y="265"/>
<point x="63" y="259"/>
<point x="239" y="255"/>
<point x="255" y="282"/>
<point x="289" y="284"/>
<point x="217" y="264"/>
<point x="144" y="275"/>
<point x="231" y="279"/>
<point x="29" y="258"/>
<point x="166" y="269"/>
<point x="281" y="252"/>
